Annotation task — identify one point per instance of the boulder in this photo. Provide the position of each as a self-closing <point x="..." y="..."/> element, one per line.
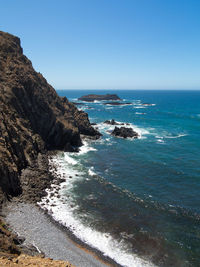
<point x="124" y="132"/>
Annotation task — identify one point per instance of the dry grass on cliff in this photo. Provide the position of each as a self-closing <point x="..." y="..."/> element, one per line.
<point x="25" y="260"/>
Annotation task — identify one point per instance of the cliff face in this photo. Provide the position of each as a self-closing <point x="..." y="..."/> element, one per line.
<point x="33" y="117"/>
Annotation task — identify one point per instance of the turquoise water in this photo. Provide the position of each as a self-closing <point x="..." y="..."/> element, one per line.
<point x="145" y="193"/>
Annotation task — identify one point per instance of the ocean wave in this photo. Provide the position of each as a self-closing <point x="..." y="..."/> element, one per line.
<point x="70" y="160"/>
<point x="91" y="171"/>
<point x="176" y="136"/>
<point x="85" y="148"/>
<point x="142" y="105"/>
<point x="63" y="209"/>
<point x="163" y="136"/>
<point x="160" y="141"/>
<point x="139" y="107"/>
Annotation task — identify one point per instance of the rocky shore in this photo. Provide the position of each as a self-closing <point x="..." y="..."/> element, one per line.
<point x="33" y="117"/>
<point x="34" y="122"/>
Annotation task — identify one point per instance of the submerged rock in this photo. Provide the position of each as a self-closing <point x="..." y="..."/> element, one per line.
<point x="124" y="132"/>
<point x="92" y="98"/>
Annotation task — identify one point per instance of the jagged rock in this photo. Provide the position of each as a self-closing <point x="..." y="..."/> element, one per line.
<point x="8" y="240"/>
<point x="111" y="122"/>
<point x="92" y="98"/>
<point x="33" y="118"/>
<point x="124" y="132"/>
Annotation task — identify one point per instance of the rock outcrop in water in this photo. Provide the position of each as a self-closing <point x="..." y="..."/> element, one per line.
<point x="33" y="118"/>
<point x="118" y="103"/>
<point x="111" y="122"/>
<point x="92" y="98"/>
<point x="124" y="132"/>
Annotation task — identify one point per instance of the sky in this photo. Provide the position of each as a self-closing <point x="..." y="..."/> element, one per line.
<point x="109" y="44"/>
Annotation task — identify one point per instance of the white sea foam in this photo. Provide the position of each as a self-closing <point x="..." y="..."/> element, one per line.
<point x="91" y="171"/>
<point x="149" y="105"/>
<point x="176" y="136"/>
<point x="105" y="128"/>
<point x="139" y="107"/>
<point x="83" y="108"/>
<point x="160" y="141"/>
<point x="85" y="148"/>
<point x="62" y="210"/>
<point x="70" y="160"/>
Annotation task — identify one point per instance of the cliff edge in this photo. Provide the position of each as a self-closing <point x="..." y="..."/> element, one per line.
<point x="33" y="118"/>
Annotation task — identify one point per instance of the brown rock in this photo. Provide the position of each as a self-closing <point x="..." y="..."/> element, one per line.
<point x="33" y="118"/>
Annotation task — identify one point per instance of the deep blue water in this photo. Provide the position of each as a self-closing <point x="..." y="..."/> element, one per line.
<point x="147" y="191"/>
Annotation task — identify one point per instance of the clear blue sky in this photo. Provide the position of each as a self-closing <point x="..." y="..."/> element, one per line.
<point x="109" y="44"/>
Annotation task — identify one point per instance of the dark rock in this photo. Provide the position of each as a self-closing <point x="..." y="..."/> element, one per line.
<point x="124" y="132"/>
<point x="111" y="122"/>
<point x="92" y="98"/>
<point x="78" y="104"/>
<point x="19" y="240"/>
<point x="33" y="117"/>
<point x="117" y="103"/>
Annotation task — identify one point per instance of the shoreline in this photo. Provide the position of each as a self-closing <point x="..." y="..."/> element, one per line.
<point x="65" y="246"/>
<point x="35" y="179"/>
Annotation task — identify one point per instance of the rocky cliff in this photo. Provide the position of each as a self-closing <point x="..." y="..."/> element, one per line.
<point x="33" y="118"/>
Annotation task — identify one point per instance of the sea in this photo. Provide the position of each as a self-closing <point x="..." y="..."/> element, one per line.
<point x="136" y="201"/>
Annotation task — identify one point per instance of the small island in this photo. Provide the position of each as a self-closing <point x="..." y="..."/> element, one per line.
<point x="92" y="98"/>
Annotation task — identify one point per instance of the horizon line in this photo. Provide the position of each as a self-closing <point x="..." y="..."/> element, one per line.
<point x="111" y="89"/>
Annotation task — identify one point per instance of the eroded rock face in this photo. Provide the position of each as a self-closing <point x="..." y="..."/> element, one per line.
<point x="33" y="117"/>
<point x="124" y="132"/>
<point x="92" y="98"/>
